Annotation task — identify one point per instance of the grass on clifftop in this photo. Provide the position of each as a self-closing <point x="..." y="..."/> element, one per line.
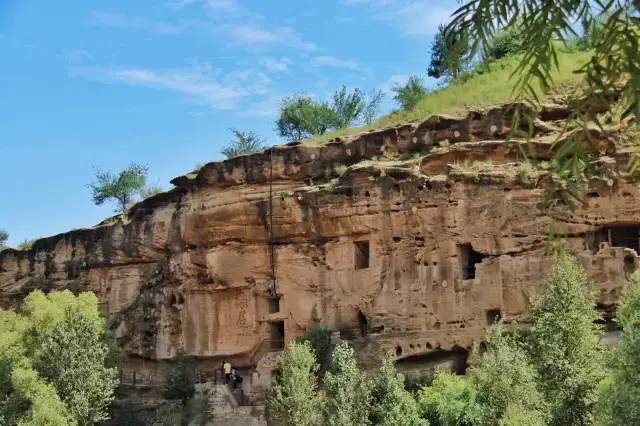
<point x="480" y="90"/>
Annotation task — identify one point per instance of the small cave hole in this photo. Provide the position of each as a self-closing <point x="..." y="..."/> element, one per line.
<point x="592" y="195"/>
<point x="399" y="351"/>
<point x="366" y="194"/>
<point x="349" y="192"/>
<point x="397" y="239"/>
<point x="411" y="346"/>
<point x="274" y="305"/>
<point x="493" y="316"/>
<point x="428" y="346"/>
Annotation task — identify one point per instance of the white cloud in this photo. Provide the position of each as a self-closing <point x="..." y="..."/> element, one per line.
<point x="335" y="62"/>
<point x="274" y="65"/>
<point x="266" y="108"/>
<point x="179" y="4"/>
<point x="135" y="23"/>
<point x="411" y="17"/>
<point x="252" y="35"/>
<point x="199" y="82"/>
<point x="420" y="18"/>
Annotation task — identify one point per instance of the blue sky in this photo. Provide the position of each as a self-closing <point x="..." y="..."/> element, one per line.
<point x="104" y="83"/>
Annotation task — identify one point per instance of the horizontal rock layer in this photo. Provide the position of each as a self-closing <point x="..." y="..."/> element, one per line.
<point x="412" y="238"/>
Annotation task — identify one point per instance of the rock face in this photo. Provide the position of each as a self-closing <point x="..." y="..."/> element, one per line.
<point x="412" y="238"/>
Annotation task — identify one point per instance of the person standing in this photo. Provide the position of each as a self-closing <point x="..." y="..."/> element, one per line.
<point x="227" y="370"/>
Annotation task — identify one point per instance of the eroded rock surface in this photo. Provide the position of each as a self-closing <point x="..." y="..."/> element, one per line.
<point x="412" y="238"/>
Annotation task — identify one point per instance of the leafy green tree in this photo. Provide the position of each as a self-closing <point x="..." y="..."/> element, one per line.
<point x="623" y="394"/>
<point x="302" y="117"/>
<point x="295" y="399"/>
<point x="566" y="343"/>
<point x="347" y="390"/>
<point x="449" y="55"/>
<point x="449" y="401"/>
<point x="150" y="190"/>
<point x="120" y="188"/>
<point x="372" y="107"/>
<point x="4" y="236"/>
<point x="53" y="361"/>
<point x="546" y="29"/>
<point x="391" y="404"/>
<point x="410" y="94"/>
<point x="26" y="244"/>
<point x="320" y="340"/>
<point x="80" y="377"/>
<point x="244" y="143"/>
<point x="178" y="382"/>
<point x="517" y="415"/>
<point x="505" y="42"/>
<point x="500" y="389"/>
<point x="348" y="107"/>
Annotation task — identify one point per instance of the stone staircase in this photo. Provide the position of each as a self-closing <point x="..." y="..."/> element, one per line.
<point x="225" y="409"/>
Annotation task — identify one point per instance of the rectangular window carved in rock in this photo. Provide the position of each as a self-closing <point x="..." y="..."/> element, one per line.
<point x="274" y="305"/>
<point x="468" y="258"/>
<point x="362" y="254"/>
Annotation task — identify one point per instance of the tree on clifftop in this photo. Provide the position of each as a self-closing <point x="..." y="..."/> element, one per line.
<point x="244" y="143"/>
<point x="121" y="187"/>
<point x="4" y="236"/>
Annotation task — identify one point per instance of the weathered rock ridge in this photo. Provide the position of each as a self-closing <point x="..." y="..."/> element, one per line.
<point x="412" y="238"/>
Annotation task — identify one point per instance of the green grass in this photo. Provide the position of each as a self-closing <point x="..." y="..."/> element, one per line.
<point x="480" y="90"/>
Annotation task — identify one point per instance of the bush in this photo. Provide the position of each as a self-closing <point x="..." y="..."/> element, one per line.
<point x="449" y="401"/>
<point x="4" y="236"/>
<point x="411" y="93"/>
<point x="243" y="144"/>
<point x="53" y="361"/>
<point x="499" y="388"/>
<point x="391" y="404"/>
<point x="320" y="340"/>
<point x="505" y="42"/>
<point x="179" y="379"/>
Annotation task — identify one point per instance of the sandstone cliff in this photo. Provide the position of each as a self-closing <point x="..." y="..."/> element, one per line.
<point x="412" y="238"/>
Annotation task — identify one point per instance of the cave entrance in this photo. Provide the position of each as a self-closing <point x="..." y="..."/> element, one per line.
<point x="454" y="360"/>
<point x="363" y="323"/>
<point x="362" y="254"/>
<point x="276" y="335"/>
<point x="469" y="258"/>
<point x="493" y="316"/>
<point x="624" y="236"/>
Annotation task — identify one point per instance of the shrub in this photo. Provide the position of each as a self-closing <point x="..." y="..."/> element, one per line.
<point x="320" y="340"/>
<point x="391" y="404"/>
<point x="411" y="93"/>
<point x="449" y="401"/>
<point x="179" y="379"/>
<point x="301" y="117"/>
<point x="243" y="144"/>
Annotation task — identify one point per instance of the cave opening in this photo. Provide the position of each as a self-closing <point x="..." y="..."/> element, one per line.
<point x="361" y="254"/>
<point x="469" y="258"/>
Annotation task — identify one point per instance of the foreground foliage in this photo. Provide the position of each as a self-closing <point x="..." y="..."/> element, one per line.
<point x="295" y="399"/>
<point x="566" y="343"/>
<point x="547" y="27"/>
<point x="54" y="361"/>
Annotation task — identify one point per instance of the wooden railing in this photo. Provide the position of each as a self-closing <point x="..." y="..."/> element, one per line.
<point x="267" y="345"/>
